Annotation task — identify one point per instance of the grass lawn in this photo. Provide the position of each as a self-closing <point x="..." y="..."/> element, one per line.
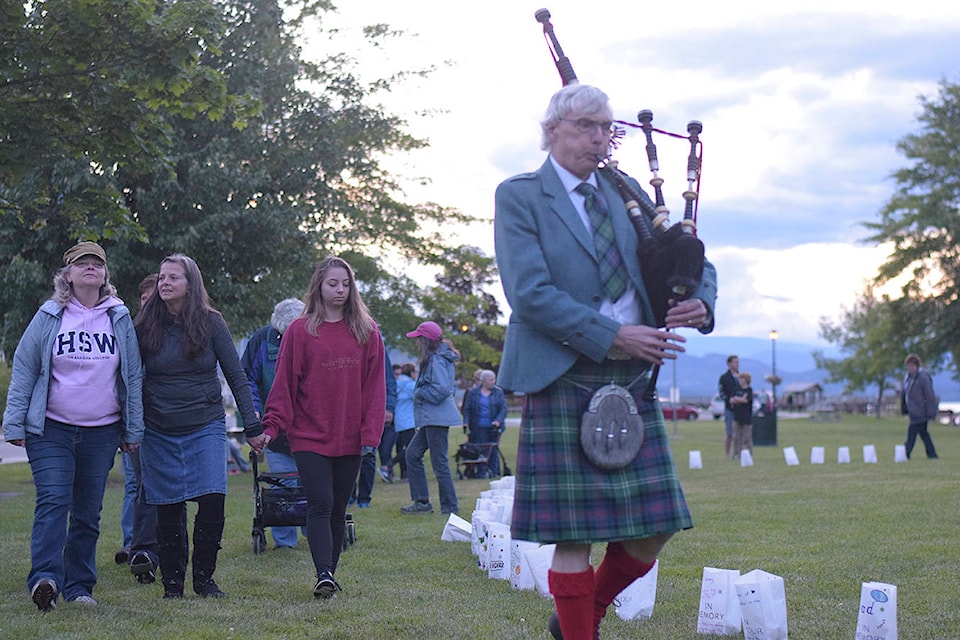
<point x="824" y="529"/>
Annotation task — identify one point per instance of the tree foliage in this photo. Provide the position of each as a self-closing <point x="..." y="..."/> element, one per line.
<point x="461" y="305"/>
<point x="873" y="338"/>
<point x="922" y="222"/>
<point x="200" y="130"/>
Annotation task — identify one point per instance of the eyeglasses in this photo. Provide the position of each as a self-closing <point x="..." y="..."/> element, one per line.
<point x="586" y="125"/>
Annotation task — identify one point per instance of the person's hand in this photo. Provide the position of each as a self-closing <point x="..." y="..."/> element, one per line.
<point x="129" y="447"/>
<point x="366" y="450"/>
<point x="689" y="313"/>
<point x="17" y="443"/>
<point x="647" y="343"/>
<point x="388" y="417"/>
<point x="258" y="443"/>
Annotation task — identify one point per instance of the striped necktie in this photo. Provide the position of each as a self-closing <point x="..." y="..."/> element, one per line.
<point x="612" y="272"/>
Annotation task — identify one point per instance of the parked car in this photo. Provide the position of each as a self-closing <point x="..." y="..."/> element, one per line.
<point x="716" y="407"/>
<point x="683" y="411"/>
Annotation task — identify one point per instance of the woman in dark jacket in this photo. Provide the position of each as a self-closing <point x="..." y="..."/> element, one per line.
<point x="183" y="457"/>
<point x="485" y="413"/>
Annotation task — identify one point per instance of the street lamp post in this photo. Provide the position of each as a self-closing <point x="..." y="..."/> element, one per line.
<point x="773" y="374"/>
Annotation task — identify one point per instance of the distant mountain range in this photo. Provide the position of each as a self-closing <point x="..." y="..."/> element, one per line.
<point x="705" y="359"/>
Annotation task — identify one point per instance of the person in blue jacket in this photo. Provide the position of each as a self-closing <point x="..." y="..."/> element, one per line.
<point x="435" y="411"/>
<point x="485" y="415"/>
<point x="74" y="397"/>
<point x="259" y="361"/>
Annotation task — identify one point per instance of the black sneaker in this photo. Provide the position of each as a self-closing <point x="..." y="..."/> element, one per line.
<point x="417" y="506"/>
<point x="122" y="556"/>
<point x="209" y="589"/>
<point x="44" y="594"/>
<point x="141" y="566"/>
<point x="326" y="586"/>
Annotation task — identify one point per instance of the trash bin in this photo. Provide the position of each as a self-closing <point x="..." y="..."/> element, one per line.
<point x="765" y="430"/>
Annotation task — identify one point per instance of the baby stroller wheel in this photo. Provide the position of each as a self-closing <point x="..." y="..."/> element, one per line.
<point x="351" y="532"/>
<point x="259" y="541"/>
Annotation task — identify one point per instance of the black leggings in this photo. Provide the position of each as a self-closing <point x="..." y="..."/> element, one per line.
<point x="327" y="483"/>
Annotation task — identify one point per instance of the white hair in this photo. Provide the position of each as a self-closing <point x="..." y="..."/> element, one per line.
<point x="573" y="98"/>
<point x="285" y="312"/>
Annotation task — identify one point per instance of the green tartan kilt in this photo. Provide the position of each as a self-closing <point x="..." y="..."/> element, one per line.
<point x="562" y="497"/>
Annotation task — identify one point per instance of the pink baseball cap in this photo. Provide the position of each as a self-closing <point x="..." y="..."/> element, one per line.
<point x="429" y="329"/>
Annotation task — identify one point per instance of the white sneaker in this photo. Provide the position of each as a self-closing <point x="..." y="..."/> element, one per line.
<point x="87" y="600"/>
<point x="44" y="594"/>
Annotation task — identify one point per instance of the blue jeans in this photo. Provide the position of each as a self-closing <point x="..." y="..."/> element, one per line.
<point x="129" y="497"/>
<point x="144" y="515"/>
<point x="435" y="439"/>
<point x="728" y="422"/>
<point x="282" y="463"/>
<point x="70" y="466"/>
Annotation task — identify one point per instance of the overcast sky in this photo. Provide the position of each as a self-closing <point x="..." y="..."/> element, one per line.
<point x="801" y="103"/>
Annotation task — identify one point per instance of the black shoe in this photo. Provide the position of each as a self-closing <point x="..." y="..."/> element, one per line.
<point x="44" y="595"/>
<point x="141" y="566"/>
<point x="173" y="595"/>
<point x="210" y="590"/>
<point x="417" y="507"/>
<point x="326" y="586"/>
<point x="122" y="556"/>
<point x="553" y="625"/>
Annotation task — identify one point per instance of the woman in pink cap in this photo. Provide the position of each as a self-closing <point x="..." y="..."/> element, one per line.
<point x="435" y="411"/>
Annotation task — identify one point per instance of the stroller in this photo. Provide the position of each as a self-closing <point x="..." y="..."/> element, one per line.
<point x="277" y="505"/>
<point x="473" y="460"/>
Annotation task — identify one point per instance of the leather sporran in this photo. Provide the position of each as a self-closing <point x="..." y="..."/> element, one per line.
<point x="611" y="431"/>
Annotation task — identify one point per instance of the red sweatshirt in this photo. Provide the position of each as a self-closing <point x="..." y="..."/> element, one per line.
<point x="329" y="394"/>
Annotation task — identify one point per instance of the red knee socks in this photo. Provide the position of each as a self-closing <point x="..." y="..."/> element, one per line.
<point x="617" y="571"/>
<point x="573" y="594"/>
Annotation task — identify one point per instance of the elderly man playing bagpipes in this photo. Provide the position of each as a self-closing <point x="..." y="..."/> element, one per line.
<point x="593" y="464"/>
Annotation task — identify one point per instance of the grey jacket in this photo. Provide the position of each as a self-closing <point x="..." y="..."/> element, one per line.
<point x="27" y="396"/>
<point x="433" y="402"/>
<point x="922" y="403"/>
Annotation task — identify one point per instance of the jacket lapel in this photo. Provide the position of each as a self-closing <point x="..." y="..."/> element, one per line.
<point x="563" y="209"/>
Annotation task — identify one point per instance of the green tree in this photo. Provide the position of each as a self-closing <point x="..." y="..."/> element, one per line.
<point x="922" y="222"/>
<point x="257" y="197"/>
<point x="873" y="338"/>
<point x="461" y="304"/>
<point x="86" y="91"/>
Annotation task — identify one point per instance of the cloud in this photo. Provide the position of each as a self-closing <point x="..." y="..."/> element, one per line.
<point x="801" y="108"/>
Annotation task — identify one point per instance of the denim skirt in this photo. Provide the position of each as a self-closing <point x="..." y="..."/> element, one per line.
<point x="562" y="497"/>
<point x="183" y="466"/>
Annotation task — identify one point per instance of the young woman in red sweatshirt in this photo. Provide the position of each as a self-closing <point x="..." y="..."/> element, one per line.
<point x="329" y="398"/>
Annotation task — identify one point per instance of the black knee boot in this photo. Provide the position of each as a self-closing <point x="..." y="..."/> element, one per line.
<point x="172" y="552"/>
<point x="206" y="544"/>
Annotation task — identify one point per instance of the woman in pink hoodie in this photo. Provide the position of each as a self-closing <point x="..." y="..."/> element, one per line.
<point x="75" y="396"/>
